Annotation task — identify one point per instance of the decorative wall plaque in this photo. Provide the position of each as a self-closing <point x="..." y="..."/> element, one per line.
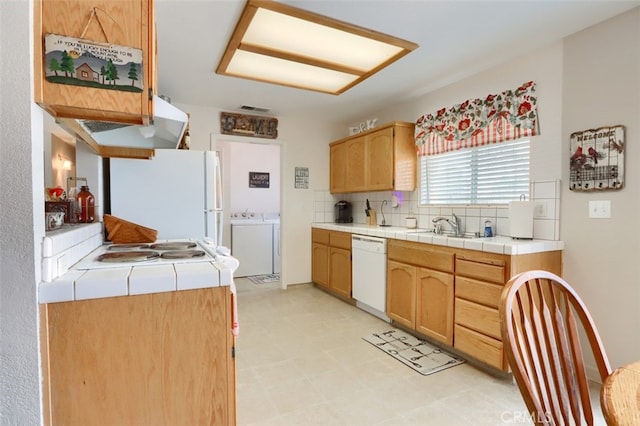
<point x="258" y="180"/>
<point x="597" y="159"/>
<point x="88" y="63"/>
<point x="248" y="125"/>
<point x="302" y="178"/>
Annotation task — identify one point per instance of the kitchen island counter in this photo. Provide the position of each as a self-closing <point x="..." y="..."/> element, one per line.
<point x="81" y="284"/>
<point x="497" y="244"/>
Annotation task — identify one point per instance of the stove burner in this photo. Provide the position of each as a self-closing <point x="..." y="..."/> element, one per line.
<point x="175" y="245"/>
<point x="128" y="256"/>
<point x="182" y="254"/>
<point x="124" y="247"/>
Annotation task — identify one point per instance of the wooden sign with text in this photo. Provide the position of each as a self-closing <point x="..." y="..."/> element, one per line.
<point x="248" y="125"/>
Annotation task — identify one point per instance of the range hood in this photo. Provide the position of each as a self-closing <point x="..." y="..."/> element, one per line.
<point x="111" y="139"/>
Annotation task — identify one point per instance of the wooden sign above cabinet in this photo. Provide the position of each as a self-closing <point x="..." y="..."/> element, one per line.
<point x="248" y="125"/>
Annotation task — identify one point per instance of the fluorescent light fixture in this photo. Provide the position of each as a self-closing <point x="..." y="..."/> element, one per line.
<point x="281" y="44"/>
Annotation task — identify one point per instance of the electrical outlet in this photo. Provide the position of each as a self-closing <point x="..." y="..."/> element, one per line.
<point x="540" y="209"/>
<point x="600" y="209"/>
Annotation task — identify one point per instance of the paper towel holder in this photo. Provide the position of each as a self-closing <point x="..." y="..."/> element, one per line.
<point x="521" y="219"/>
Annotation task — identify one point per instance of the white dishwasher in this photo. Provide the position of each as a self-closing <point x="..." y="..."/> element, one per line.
<point x="369" y="274"/>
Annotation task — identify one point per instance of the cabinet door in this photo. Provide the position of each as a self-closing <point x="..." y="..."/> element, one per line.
<point x="347" y="166"/>
<point x="152" y="359"/>
<point x="434" y="316"/>
<point x="340" y="271"/>
<point x="401" y="293"/>
<point x="320" y="264"/>
<point x="379" y="160"/>
<point x="338" y="168"/>
<point x="356" y="163"/>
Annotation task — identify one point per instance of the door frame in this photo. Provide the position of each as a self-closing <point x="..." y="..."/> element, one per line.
<point x="216" y="138"/>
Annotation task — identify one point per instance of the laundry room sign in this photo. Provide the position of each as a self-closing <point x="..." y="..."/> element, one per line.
<point x="258" y="180"/>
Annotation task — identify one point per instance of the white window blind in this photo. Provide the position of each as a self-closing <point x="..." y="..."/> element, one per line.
<point x="488" y="174"/>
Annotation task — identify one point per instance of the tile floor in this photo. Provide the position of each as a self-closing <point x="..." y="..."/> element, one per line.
<point x="301" y="360"/>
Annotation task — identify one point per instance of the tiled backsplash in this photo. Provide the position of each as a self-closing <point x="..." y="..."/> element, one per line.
<point x="546" y="222"/>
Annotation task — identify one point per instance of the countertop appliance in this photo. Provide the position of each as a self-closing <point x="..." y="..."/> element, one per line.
<point x="177" y="192"/>
<point x="343" y="212"/>
<point x="369" y="274"/>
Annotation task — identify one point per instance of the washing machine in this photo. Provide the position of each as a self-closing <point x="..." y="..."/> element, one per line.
<point x="252" y="245"/>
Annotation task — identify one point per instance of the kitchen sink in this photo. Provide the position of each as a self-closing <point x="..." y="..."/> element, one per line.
<point x="418" y="231"/>
<point x="463" y="237"/>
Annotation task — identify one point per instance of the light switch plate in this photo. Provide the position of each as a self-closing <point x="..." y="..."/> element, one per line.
<point x="600" y="209"/>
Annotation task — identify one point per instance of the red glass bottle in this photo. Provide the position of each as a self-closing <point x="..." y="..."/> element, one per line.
<point x="85" y="205"/>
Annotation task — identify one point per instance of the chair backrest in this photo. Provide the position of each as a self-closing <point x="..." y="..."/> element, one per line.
<point x="541" y="316"/>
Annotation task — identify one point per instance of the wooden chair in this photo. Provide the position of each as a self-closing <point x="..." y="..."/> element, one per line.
<point x="541" y="316"/>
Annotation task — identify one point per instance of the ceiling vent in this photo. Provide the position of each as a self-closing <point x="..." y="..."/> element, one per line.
<point x="254" y="108"/>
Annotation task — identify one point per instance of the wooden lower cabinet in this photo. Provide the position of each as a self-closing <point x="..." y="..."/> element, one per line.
<point x="434" y="305"/>
<point x="450" y="295"/>
<point x="418" y="297"/>
<point x="320" y="264"/>
<point x="479" y="280"/>
<point x="154" y="359"/>
<point x="331" y="261"/>
<point x="340" y="271"/>
<point x="401" y="293"/>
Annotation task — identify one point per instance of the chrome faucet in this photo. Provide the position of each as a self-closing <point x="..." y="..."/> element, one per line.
<point x="454" y="223"/>
<point x="384" y="220"/>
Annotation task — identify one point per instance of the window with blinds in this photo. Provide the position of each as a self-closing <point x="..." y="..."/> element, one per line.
<point x="489" y="174"/>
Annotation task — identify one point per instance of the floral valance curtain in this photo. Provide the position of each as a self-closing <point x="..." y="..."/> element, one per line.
<point x="506" y="116"/>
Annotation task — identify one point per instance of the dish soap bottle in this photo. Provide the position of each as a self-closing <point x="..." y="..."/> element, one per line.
<point x="85" y="205"/>
<point x="488" y="232"/>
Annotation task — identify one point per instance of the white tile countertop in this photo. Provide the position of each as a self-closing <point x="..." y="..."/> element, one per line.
<point x="498" y="244"/>
<point x="62" y="282"/>
<point x="133" y="280"/>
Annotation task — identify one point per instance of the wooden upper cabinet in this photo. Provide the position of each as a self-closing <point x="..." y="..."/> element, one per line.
<point x="377" y="160"/>
<point x="379" y="147"/>
<point x="128" y="23"/>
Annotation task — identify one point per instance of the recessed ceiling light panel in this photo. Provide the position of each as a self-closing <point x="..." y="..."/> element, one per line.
<point x="284" y="45"/>
<point x="275" y="70"/>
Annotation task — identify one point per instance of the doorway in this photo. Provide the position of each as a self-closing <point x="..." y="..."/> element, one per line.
<point x="251" y="185"/>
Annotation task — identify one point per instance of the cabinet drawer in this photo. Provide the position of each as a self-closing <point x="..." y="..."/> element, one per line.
<point x="423" y="255"/>
<point x="481" y="347"/>
<point x="491" y="270"/>
<point x="340" y="240"/>
<point x="479" y="291"/>
<point x="320" y="236"/>
<point x="478" y="317"/>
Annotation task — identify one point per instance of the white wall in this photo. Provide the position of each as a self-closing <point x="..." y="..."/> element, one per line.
<point x="601" y="87"/>
<point x="303" y="144"/>
<point x="243" y="158"/>
<point x="21" y="219"/>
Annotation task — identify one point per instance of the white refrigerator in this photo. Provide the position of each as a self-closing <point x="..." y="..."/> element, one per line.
<point x="177" y="192"/>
